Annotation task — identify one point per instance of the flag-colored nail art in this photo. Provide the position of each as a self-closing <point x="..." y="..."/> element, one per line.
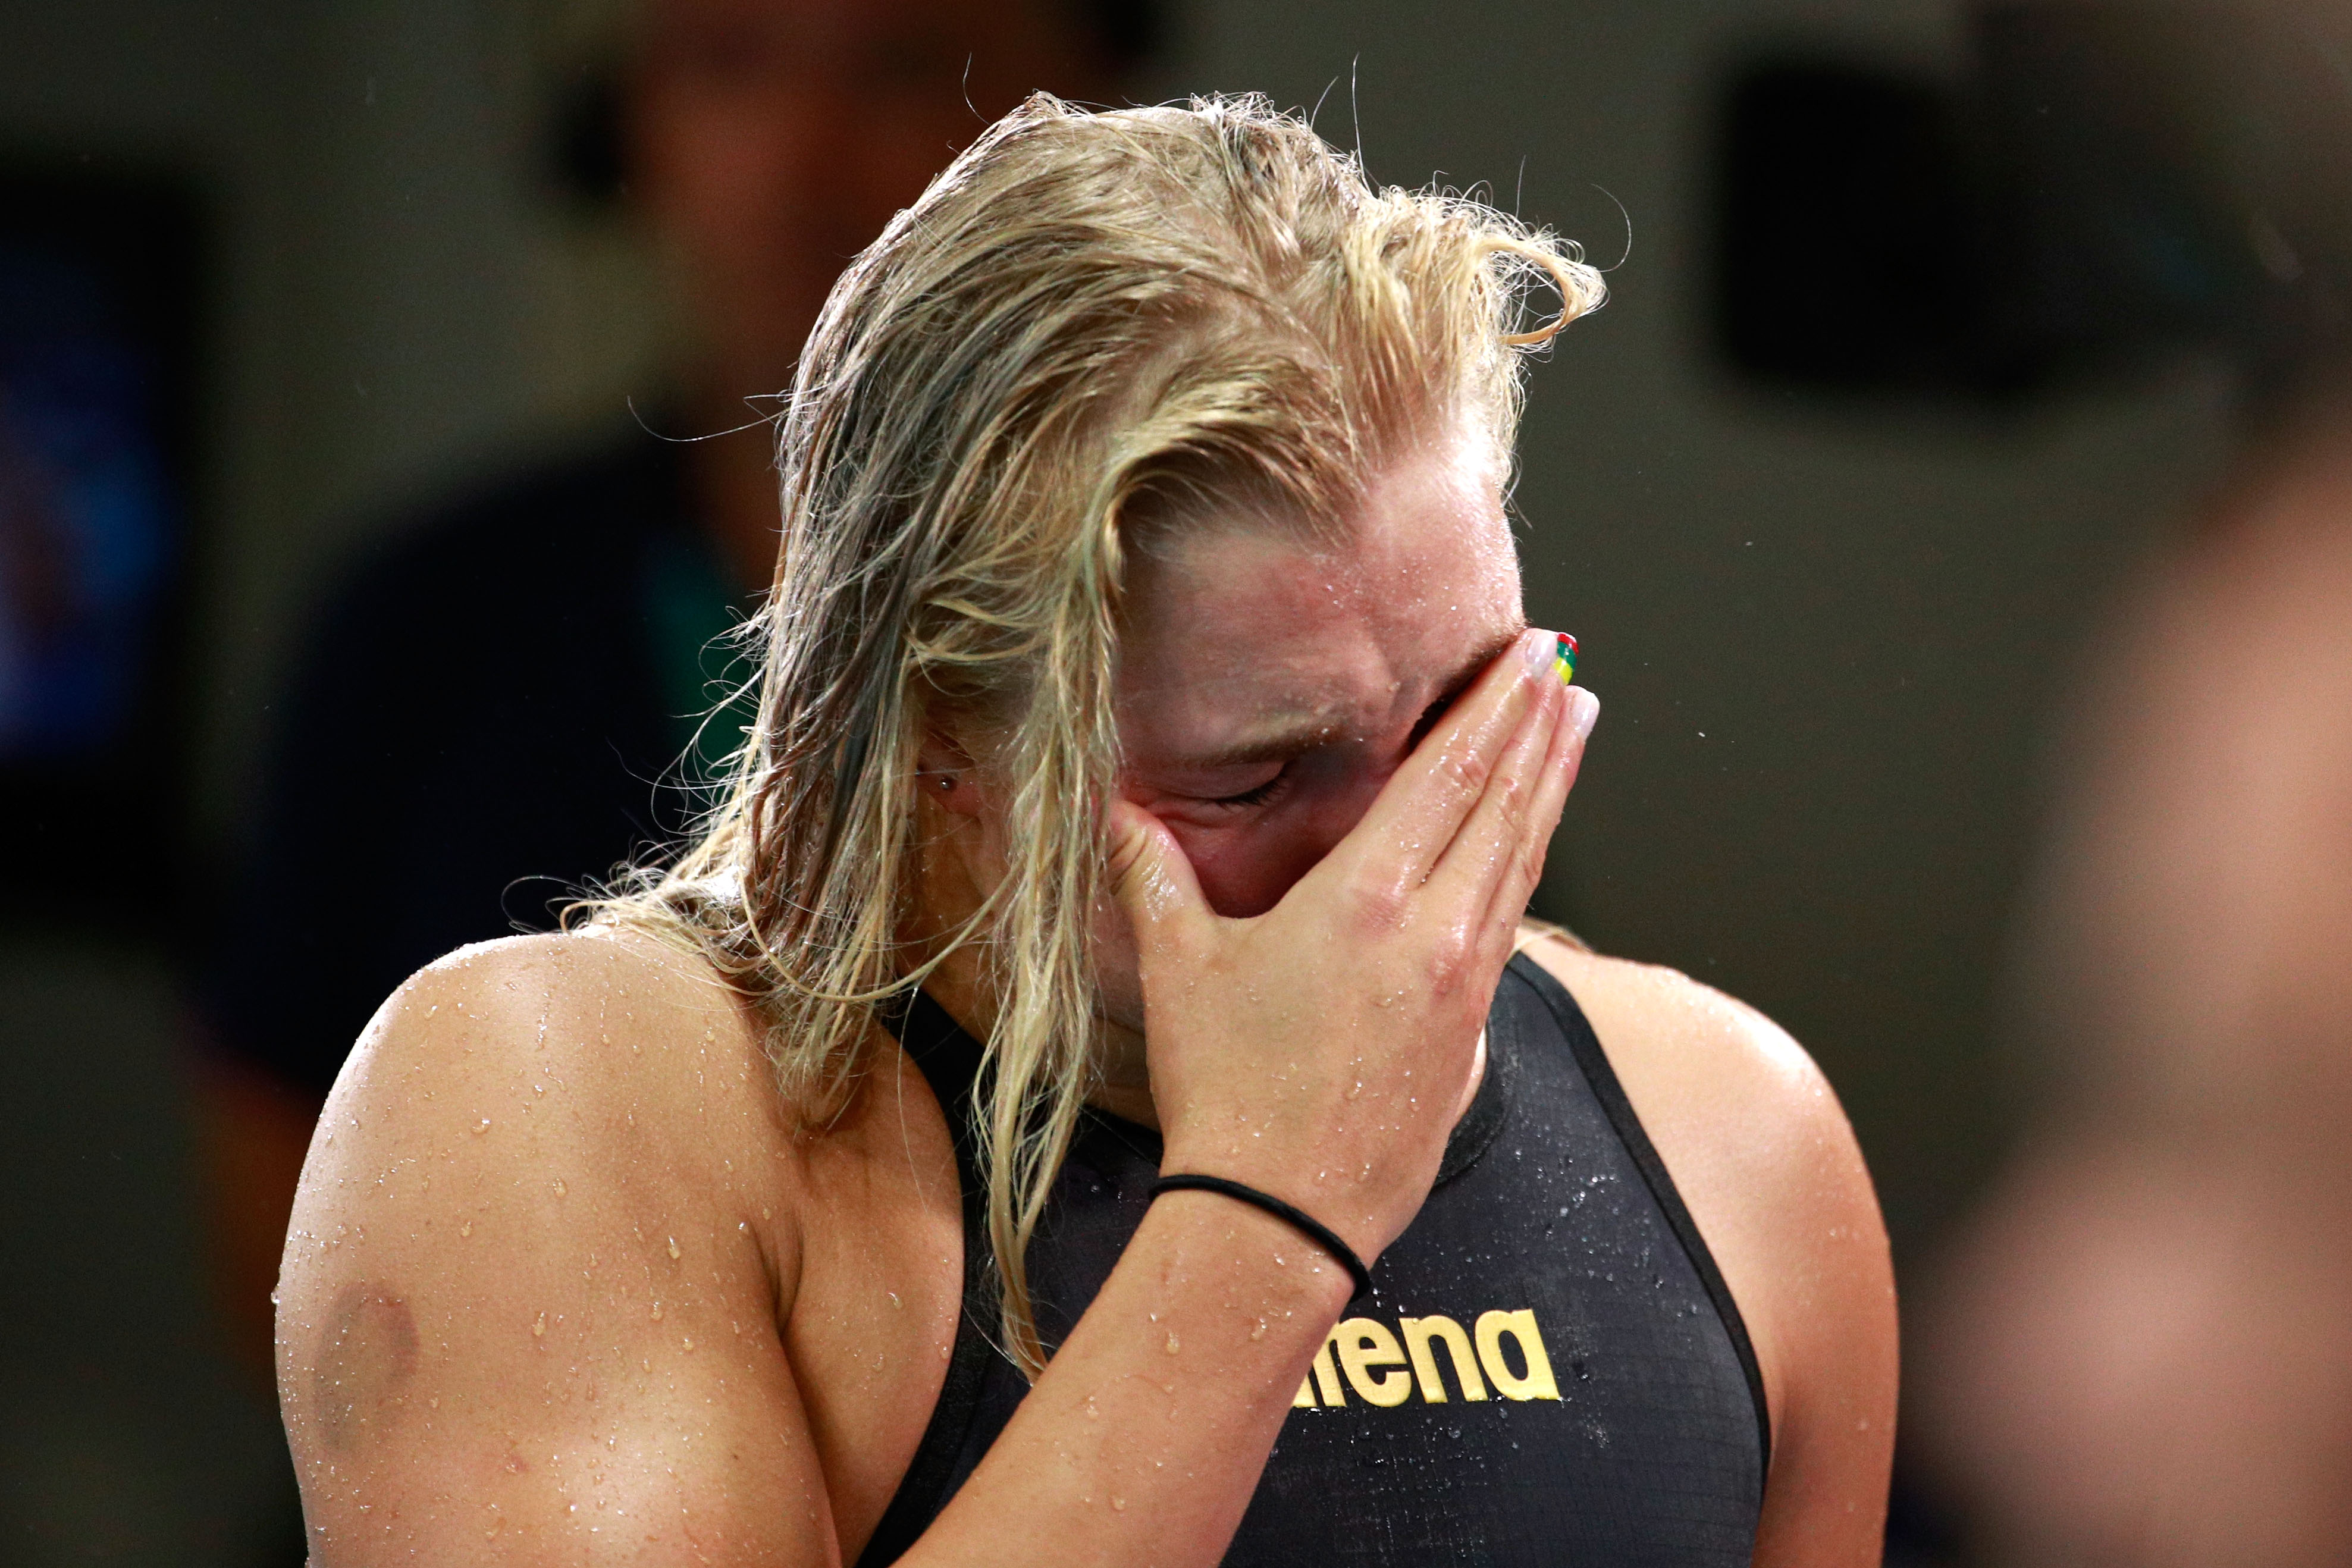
<point x="1564" y="664"/>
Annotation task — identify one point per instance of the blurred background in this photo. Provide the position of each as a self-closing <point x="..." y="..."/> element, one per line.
<point x="346" y="523"/>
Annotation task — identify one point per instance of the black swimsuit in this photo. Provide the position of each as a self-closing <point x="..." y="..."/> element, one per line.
<point x="1550" y="1369"/>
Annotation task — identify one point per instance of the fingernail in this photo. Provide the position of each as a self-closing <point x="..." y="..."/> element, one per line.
<point x="1583" y="708"/>
<point x="1541" y="650"/>
<point x="1565" y="660"/>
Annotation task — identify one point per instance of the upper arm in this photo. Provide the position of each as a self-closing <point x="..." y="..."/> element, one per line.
<point x="1768" y="1168"/>
<point x="517" y="1316"/>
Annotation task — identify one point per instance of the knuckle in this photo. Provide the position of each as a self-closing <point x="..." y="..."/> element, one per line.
<point x="1467" y="769"/>
<point x="1448" y="959"/>
<point x="1376" y="905"/>
<point x="1510" y="793"/>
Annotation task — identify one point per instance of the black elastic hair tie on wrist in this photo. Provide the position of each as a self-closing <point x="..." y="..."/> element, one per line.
<point x="1306" y="1224"/>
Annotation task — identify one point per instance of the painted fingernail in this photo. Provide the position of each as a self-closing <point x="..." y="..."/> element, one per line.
<point x="1583" y="708"/>
<point x="1540" y="651"/>
<point x="1564" y="659"/>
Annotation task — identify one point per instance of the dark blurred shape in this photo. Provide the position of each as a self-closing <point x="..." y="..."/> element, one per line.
<point x="481" y="723"/>
<point x="1844" y="238"/>
<point x="2112" y="184"/>
<point x="585" y="149"/>
<point x="584" y="138"/>
<point x="101" y="275"/>
<point x="126" y="1435"/>
<point x="2177" y="174"/>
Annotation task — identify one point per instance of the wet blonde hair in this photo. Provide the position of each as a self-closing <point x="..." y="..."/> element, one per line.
<point x="1089" y="320"/>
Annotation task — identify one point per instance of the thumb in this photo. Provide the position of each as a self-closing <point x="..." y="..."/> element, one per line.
<point x="1152" y="879"/>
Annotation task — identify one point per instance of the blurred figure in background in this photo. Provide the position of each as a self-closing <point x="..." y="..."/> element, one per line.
<point x="464" y="740"/>
<point x="2143" y="1353"/>
<point x="2140" y="1354"/>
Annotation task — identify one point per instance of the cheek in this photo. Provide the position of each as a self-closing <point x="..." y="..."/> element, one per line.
<point x="1246" y="869"/>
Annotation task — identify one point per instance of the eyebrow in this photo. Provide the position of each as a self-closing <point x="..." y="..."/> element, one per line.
<point x="1315" y="727"/>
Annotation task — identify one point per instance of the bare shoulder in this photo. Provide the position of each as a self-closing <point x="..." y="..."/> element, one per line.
<point x="1699" y="1065"/>
<point x="1762" y="1155"/>
<point x="599" y="1020"/>
<point x="546" y="1176"/>
<point x="601" y="1059"/>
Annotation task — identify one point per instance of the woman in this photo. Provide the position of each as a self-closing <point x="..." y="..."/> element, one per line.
<point x="1151" y="768"/>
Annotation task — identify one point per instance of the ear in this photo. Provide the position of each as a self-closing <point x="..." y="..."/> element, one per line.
<point x="945" y="776"/>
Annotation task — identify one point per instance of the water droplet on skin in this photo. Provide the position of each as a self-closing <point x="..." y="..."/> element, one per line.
<point x="559" y="1186"/>
<point x="689" y="1347"/>
<point x="657" y="1311"/>
<point x="894" y="1298"/>
<point x="539" y="1329"/>
<point x="467" y="1228"/>
<point x="1259" y="1331"/>
<point x="1120" y="1503"/>
<point x="1172" y="1341"/>
<point x="482" y="1127"/>
<point x="673" y="1247"/>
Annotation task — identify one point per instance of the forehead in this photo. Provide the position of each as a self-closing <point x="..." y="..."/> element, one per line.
<point x="1239" y="625"/>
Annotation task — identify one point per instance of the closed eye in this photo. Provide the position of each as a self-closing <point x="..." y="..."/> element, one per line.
<point x="1261" y="796"/>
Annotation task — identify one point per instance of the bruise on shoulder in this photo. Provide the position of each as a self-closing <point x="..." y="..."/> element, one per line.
<point x="367" y="1356"/>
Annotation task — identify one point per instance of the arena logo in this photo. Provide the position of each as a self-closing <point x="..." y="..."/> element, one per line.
<point x="1369" y="1357"/>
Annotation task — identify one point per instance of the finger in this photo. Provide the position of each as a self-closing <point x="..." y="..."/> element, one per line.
<point x="1560" y="766"/>
<point x="1152" y="880"/>
<point x="1422" y="805"/>
<point x="1463" y="883"/>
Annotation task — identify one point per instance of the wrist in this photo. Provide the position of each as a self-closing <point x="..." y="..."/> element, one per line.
<point x="1360" y="1212"/>
<point x="1298" y="1219"/>
<point x="1270" y="1267"/>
